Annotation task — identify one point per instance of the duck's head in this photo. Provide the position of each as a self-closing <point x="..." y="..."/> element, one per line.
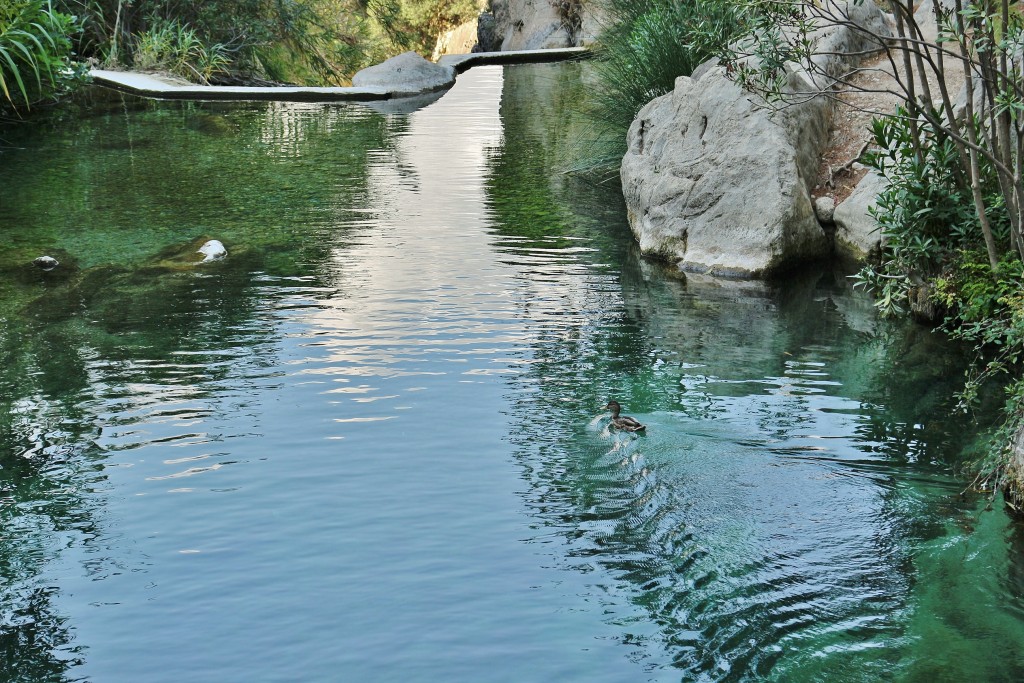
<point x="613" y="406"/>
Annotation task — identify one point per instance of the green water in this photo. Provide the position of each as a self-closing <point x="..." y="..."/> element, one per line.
<point x="365" y="446"/>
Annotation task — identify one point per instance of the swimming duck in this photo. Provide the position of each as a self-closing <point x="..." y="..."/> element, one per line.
<point x="625" y="423"/>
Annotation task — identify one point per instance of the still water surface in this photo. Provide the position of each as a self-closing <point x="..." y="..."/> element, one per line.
<point x="364" y="447"/>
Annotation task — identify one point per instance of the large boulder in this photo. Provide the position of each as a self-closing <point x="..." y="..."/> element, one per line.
<point x="712" y="183"/>
<point x="716" y="181"/>
<point x="406" y="74"/>
<point x="857" y="234"/>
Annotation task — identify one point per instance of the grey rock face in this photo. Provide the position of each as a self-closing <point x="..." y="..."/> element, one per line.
<point x="824" y="209"/>
<point x="1014" y="486"/>
<point x="712" y="183"/>
<point x="485" y="36"/>
<point x="528" y="25"/>
<point x="459" y="41"/>
<point x="593" y="20"/>
<point x="857" y="233"/>
<point x="717" y="182"/>
<point x="408" y="73"/>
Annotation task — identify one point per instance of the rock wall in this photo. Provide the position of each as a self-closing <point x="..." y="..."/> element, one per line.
<point x="717" y="182"/>
<point x="544" y="24"/>
<point x="857" y="233"/>
<point x="459" y="41"/>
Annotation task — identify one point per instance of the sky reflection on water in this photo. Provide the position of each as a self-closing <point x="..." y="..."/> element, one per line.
<point x="363" y="447"/>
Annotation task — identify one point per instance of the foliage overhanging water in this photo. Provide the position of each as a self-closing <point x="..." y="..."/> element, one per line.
<point x="362" y="447"/>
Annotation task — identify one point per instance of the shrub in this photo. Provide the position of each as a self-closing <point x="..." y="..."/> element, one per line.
<point x="310" y="41"/>
<point x="167" y="45"/>
<point x="926" y="216"/>
<point x="648" y="44"/>
<point x="35" y="52"/>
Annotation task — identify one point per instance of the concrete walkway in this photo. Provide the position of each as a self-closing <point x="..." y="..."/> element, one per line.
<point x="170" y="88"/>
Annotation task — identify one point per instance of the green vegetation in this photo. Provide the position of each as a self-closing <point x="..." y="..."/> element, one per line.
<point x="416" y="24"/>
<point x="229" y="41"/>
<point x="167" y="45"/>
<point x="319" y="42"/>
<point x="35" y="53"/>
<point x="935" y="257"/>
<point x="648" y="44"/>
<point x="953" y="215"/>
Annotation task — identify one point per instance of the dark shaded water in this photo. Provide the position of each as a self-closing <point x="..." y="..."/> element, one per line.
<point x="363" y="447"/>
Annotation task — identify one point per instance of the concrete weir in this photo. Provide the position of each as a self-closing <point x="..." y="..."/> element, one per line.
<point x="170" y="88"/>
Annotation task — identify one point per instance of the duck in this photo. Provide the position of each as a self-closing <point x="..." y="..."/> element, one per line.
<point x="624" y="422"/>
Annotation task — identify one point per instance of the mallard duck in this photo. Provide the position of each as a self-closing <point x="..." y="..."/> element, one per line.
<point x="624" y="422"/>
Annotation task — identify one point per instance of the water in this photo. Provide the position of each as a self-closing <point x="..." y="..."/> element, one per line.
<point x="364" y="447"/>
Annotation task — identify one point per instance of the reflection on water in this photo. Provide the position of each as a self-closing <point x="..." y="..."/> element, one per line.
<point x="364" y="445"/>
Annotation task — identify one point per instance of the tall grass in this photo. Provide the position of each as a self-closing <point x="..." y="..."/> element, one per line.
<point x="169" y="46"/>
<point x="35" y="52"/>
<point x="645" y="47"/>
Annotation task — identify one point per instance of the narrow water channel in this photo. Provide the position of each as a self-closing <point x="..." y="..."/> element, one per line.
<point x="363" y="447"/>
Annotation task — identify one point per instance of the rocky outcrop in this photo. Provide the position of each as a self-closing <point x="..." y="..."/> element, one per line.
<point x="825" y="210"/>
<point x="408" y="73"/>
<point x="545" y="24"/>
<point x="857" y="234"/>
<point x="529" y="25"/>
<point x="717" y="182"/>
<point x="459" y="41"/>
<point x="712" y="183"/>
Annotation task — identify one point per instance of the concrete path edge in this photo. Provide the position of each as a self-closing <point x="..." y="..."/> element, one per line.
<point x="162" y="87"/>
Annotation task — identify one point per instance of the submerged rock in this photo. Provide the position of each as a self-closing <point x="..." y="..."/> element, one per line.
<point x="46" y="263"/>
<point x="408" y="73"/>
<point x="212" y="250"/>
<point x="185" y="257"/>
<point x="52" y="269"/>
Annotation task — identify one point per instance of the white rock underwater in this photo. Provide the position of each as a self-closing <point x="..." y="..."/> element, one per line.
<point x="46" y="263"/>
<point x="213" y="250"/>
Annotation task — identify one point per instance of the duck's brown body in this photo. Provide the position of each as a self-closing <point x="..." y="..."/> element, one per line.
<point x="623" y="422"/>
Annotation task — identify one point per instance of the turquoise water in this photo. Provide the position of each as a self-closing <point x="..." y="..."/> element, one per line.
<point x="365" y="446"/>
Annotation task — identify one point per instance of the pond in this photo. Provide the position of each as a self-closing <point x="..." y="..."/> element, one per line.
<point x="365" y="446"/>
